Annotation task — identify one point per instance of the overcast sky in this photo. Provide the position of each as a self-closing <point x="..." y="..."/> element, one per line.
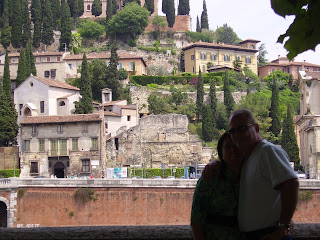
<point x="253" y="19"/>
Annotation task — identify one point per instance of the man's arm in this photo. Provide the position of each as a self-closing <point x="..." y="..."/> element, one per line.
<point x="289" y="199"/>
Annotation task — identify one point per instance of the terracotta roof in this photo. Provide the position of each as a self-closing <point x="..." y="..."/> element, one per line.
<point x="126" y="107"/>
<point x="55" y="83"/>
<point x="111" y="103"/>
<point x="112" y="114"/>
<point x="314" y="75"/>
<point x="218" y="46"/>
<point x="17" y="54"/>
<point x="62" y="119"/>
<point x="249" y="40"/>
<point x="305" y="64"/>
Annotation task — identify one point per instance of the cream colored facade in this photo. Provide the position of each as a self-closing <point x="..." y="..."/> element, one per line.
<point x="198" y="55"/>
<point x="308" y="123"/>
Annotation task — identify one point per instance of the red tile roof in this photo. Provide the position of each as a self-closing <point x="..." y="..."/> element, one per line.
<point x="38" y="54"/>
<point x="55" y="83"/>
<point x="218" y="46"/>
<point x="112" y="114"/>
<point x="62" y="119"/>
<point x="126" y="107"/>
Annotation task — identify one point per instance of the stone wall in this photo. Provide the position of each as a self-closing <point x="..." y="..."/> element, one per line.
<point x="9" y="158"/>
<point x="157" y="139"/>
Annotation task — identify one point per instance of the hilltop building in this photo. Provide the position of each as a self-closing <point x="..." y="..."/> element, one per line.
<point x="283" y="64"/>
<point x="198" y="55"/>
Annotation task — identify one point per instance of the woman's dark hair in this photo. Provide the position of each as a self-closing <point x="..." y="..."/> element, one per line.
<point x="220" y="153"/>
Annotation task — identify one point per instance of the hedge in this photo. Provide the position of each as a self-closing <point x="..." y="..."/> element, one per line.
<point x="9" y="173"/>
<point x="152" y="172"/>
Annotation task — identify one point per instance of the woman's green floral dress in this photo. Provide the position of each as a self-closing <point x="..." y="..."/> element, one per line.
<point x="218" y="199"/>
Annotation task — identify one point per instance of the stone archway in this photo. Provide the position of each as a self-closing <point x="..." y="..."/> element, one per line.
<point x="3" y="215"/>
<point x="59" y="170"/>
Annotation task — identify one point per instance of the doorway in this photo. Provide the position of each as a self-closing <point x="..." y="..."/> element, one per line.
<point x="59" y="170"/>
<point x="3" y="214"/>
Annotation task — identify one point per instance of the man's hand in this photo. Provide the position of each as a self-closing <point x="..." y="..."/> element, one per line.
<point x="210" y="169"/>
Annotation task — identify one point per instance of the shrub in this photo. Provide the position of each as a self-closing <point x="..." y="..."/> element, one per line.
<point x="90" y="29"/>
<point x="84" y="195"/>
<point x="20" y="193"/>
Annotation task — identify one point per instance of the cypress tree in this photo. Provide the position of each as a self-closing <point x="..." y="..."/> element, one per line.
<point x="112" y="74"/>
<point x="96" y="8"/>
<point x="36" y="16"/>
<point x="56" y="13"/>
<point x="198" y="29"/>
<point x="184" y="7"/>
<point x="213" y="100"/>
<point x="5" y="38"/>
<point x="16" y="31"/>
<point x="204" y="17"/>
<point x="208" y="128"/>
<point x="115" y="7"/>
<point x="228" y="98"/>
<point x="22" y="71"/>
<point x="85" y="104"/>
<point x="149" y="4"/>
<point x="275" y="127"/>
<point x="26" y="24"/>
<point x="170" y="13"/>
<point x="6" y="77"/>
<point x="66" y="26"/>
<point x="30" y="65"/>
<point x="289" y="139"/>
<point x="109" y="13"/>
<point x="200" y="95"/>
<point x="80" y="7"/>
<point x="165" y="5"/>
<point x="47" y="25"/>
<point x="4" y="13"/>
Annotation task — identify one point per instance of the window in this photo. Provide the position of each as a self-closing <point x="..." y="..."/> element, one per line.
<point x="238" y="58"/>
<point x="46" y="74"/>
<point x="203" y="56"/>
<point x="226" y="58"/>
<point x="85" y="128"/>
<point x="58" y="59"/>
<point x="314" y="69"/>
<point x="62" y="103"/>
<point x="128" y="118"/>
<point x="94" y="143"/>
<point x="192" y="57"/>
<point x="60" y="128"/>
<point x="26" y="146"/>
<point x="34" y="167"/>
<point x="34" y="129"/>
<point x="41" y="145"/>
<point x="88" y="7"/>
<point x="120" y="66"/>
<point x="20" y="109"/>
<point x="116" y="142"/>
<point x="288" y="70"/>
<point x="63" y="146"/>
<point x="131" y="66"/>
<point x="248" y="59"/>
<point x="86" y="165"/>
<point x="213" y="57"/>
<point x="75" y="146"/>
<point x="54" y="147"/>
<point x="193" y="69"/>
<point x="70" y="66"/>
<point x="53" y="73"/>
<point x="48" y="59"/>
<point x="41" y="106"/>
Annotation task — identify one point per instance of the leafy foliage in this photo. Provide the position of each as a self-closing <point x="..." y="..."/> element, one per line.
<point x="208" y="127"/>
<point x="200" y="36"/>
<point x="90" y="29"/>
<point x="149" y="4"/>
<point x="183" y="7"/>
<point x="204" y="17"/>
<point x="228" y="98"/>
<point x="280" y="77"/>
<point x="96" y="8"/>
<point x="10" y="173"/>
<point x="170" y="13"/>
<point x="225" y="34"/>
<point x="275" y="115"/>
<point x="84" y="195"/>
<point x="200" y="95"/>
<point x="304" y="33"/>
<point x="262" y="55"/>
<point x="22" y="68"/>
<point x="66" y="25"/>
<point x="47" y="25"/>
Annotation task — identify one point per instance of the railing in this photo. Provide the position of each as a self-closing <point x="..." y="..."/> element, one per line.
<point x="183" y="232"/>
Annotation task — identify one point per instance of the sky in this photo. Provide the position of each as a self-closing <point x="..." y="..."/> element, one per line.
<point x="254" y="19"/>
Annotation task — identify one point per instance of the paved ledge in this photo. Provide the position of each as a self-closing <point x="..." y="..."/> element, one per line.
<point x="300" y="232"/>
<point x="305" y="184"/>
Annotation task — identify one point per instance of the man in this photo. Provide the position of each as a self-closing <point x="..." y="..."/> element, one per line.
<point x="268" y="184"/>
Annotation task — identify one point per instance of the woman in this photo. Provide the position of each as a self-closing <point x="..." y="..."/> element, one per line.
<point x="215" y="202"/>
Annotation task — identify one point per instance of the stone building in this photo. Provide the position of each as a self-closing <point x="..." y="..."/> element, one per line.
<point x="157" y="139"/>
<point x="308" y="123"/>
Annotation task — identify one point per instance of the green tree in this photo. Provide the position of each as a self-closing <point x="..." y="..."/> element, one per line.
<point x="303" y="33"/>
<point x="56" y="13"/>
<point x="198" y="28"/>
<point x="289" y="139"/>
<point x="97" y="70"/>
<point x="149" y="4"/>
<point x="237" y="64"/>
<point x="213" y="100"/>
<point x="159" y="23"/>
<point x="26" y="24"/>
<point x="126" y="2"/>
<point x="90" y="29"/>
<point x="165" y="6"/>
<point x="171" y="13"/>
<point x="200" y="95"/>
<point x="75" y="11"/>
<point x="22" y="71"/>
<point x="228" y="98"/>
<point x="66" y="26"/>
<point x="184" y="7"/>
<point x="281" y="78"/>
<point x="16" y="32"/>
<point x="47" y="24"/>
<point x="112" y="74"/>
<point x="30" y="65"/>
<point x="6" y="77"/>
<point x="262" y="55"/>
<point x="84" y="106"/>
<point x="5" y="37"/>
<point x="130" y="21"/>
<point x="204" y="17"/>
<point x="75" y="43"/>
<point x="36" y="16"/>
<point x="252" y="80"/>
<point x="109" y="13"/>
<point x="225" y="34"/>
<point x="96" y="8"/>
<point x="158" y="105"/>
<point x="208" y="128"/>
<point x="275" y="115"/>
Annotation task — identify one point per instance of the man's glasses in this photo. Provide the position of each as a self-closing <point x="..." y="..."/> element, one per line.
<point x="240" y="129"/>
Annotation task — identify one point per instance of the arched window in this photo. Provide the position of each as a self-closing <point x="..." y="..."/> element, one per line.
<point x="62" y="103"/>
<point x="88" y="7"/>
<point x="27" y="112"/>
